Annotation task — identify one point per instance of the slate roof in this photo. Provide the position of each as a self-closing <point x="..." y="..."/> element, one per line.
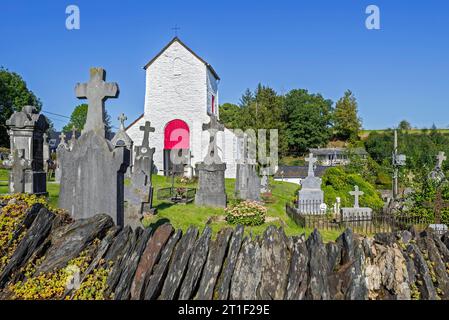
<point x="298" y="171"/>
<point x="332" y="151"/>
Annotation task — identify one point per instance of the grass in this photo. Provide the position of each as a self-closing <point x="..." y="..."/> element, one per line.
<point x="4" y="175"/>
<point x="183" y="216"/>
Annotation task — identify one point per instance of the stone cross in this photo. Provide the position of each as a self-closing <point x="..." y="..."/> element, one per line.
<point x="356" y="193"/>
<point x="122" y="118"/>
<point x="441" y="157"/>
<point x="18" y="165"/>
<point x="96" y="91"/>
<point x="213" y="127"/>
<point x="73" y="139"/>
<point x="144" y="154"/>
<point x="311" y="160"/>
<point x="62" y="137"/>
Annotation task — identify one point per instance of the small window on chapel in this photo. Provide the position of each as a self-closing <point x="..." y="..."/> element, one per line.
<point x="177" y="62"/>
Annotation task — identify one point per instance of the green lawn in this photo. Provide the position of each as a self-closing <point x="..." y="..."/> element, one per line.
<point x="183" y="216"/>
<point x="4" y="175"/>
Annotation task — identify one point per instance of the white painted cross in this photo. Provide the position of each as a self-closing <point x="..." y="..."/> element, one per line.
<point x="96" y="91"/>
<point x="311" y="160"/>
<point x="441" y="157"/>
<point x="62" y="137"/>
<point x="356" y="195"/>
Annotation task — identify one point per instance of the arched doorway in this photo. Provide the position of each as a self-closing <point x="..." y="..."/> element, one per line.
<point x="176" y="139"/>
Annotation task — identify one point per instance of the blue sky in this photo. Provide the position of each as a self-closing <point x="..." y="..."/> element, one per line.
<point x="398" y="72"/>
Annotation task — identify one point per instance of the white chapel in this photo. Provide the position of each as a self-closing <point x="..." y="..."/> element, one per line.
<point x="181" y="91"/>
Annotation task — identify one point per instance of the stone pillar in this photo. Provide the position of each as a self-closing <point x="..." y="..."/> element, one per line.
<point x="26" y="129"/>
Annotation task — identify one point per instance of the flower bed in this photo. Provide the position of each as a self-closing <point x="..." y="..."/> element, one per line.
<point x="247" y="213"/>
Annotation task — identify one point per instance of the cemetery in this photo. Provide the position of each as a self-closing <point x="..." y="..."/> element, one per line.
<point x="282" y="197"/>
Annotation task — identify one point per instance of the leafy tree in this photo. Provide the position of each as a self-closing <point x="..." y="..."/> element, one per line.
<point x="79" y="116"/>
<point x="405" y="125"/>
<point x="14" y="95"/>
<point x="230" y="115"/>
<point x="308" y="117"/>
<point x="347" y="124"/>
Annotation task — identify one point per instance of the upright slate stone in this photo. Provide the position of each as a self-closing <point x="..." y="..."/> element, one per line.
<point x="211" y="172"/>
<point x="247" y="182"/>
<point x="26" y="130"/>
<point x="92" y="178"/>
<point x="139" y="194"/>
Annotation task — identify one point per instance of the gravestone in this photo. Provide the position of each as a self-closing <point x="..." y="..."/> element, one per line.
<point x="62" y="145"/>
<point x="92" y="177"/>
<point x="73" y="138"/>
<point x="188" y="168"/>
<point x="26" y="130"/>
<point x="122" y="139"/>
<point x="139" y="193"/>
<point x="46" y="152"/>
<point x="211" y="172"/>
<point x="247" y="182"/>
<point x="310" y="197"/>
<point x="356" y="212"/>
<point x="437" y="173"/>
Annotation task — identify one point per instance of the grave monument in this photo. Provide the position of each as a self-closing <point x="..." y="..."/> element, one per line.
<point x="92" y="172"/>
<point x="310" y="196"/>
<point x="211" y="172"/>
<point x="26" y="161"/>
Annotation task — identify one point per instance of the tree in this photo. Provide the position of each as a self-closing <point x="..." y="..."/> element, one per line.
<point x="347" y="124"/>
<point x="405" y="125"/>
<point x="79" y="116"/>
<point x="308" y="117"/>
<point x="14" y="95"/>
<point x="230" y="115"/>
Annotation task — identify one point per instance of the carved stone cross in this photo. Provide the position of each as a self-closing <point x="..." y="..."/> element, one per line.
<point x="213" y="127"/>
<point x="122" y="118"/>
<point x="62" y="138"/>
<point x="356" y="193"/>
<point x="311" y="160"/>
<point x="144" y="151"/>
<point x="96" y="91"/>
<point x="441" y="157"/>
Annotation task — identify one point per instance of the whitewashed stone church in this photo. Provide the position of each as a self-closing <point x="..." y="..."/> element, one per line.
<point x="181" y="91"/>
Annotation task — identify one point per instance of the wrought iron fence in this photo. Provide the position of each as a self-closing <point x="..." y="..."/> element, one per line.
<point x="362" y="223"/>
<point x="176" y="194"/>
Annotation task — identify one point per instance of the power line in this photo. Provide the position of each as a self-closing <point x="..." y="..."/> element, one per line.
<point x="56" y="114"/>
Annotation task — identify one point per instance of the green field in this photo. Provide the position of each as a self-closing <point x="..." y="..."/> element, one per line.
<point x="182" y="216"/>
<point x="363" y="134"/>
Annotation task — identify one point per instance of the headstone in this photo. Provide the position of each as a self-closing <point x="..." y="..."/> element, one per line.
<point x="92" y="177"/>
<point x="437" y="173"/>
<point x="122" y="139"/>
<point x="62" y="145"/>
<point x="247" y="182"/>
<point x="310" y="196"/>
<point x="356" y="212"/>
<point x="139" y="194"/>
<point x="26" y="130"/>
<point x="188" y="168"/>
<point x="211" y="172"/>
<point x="46" y="152"/>
<point x="73" y="138"/>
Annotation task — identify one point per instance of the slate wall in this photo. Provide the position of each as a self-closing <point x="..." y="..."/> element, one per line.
<point x="164" y="263"/>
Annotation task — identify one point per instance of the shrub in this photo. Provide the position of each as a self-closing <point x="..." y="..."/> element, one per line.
<point x="247" y="213"/>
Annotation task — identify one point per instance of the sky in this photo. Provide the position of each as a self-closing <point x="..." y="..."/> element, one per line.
<point x="398" y="72"/>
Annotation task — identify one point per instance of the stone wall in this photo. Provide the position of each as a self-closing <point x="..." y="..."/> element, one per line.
<point x="164" y="263"/>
